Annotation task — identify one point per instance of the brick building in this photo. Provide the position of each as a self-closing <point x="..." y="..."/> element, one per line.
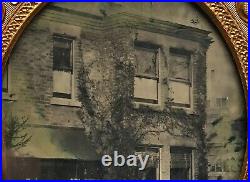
<point x="41" y="83"/>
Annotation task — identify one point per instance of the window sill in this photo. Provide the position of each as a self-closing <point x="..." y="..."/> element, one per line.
<point x="8" y="96"/>
<point x="65" y="102"/>
<point x="189" y="111"/>
<point x="138" y="105"/>
<point x="159" y="107"/>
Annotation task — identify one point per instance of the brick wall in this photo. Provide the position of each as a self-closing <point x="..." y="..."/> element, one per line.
<point x="32" y="72"/>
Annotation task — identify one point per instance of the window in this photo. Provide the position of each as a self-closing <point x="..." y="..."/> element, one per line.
<point x="146" y="73"/>
<point x="216" y="167"/>
<point x="222" y="102"/>
<point x="7" y="92"/>
<point x="181" y="163"/>
<point x="180" y="76"/>
<point x="62" y="67"/>
<point x="152" y="170"/>
<point x="6" y="79"/>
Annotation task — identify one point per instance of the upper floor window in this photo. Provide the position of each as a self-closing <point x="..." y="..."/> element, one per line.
<point x="180" y="76"/>
<point x="222" y="102"/>
<point x="146" y="73"/>
<point x="62" y="67"/>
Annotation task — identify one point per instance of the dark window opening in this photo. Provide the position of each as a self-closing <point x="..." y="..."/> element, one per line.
<point x="61" y="95"/>
<point x="5" y="86"/>
<point x="62" y="67"/>
<point x="62" y="53"/>
<point x="181" y="163"/>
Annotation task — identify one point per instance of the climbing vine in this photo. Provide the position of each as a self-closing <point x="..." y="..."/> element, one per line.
<point x="108" y="115"/>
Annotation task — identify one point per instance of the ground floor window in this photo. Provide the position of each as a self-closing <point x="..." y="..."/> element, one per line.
<point x="152" y="170"/>
<point x="181" y="163"/>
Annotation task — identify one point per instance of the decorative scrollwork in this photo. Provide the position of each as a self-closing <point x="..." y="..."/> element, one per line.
<point x="16" y="24"/>
<point x="233" y="34"/>
<point x="242" y="10"/>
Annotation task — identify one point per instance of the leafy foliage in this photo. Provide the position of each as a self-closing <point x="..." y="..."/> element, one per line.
<point x="108" y="115"/>
<point x="16" y="137"/>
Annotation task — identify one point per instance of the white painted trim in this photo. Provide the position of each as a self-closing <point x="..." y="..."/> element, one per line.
<point x="160" y="164"/>
<point x="73" y="70"/>
<point x="193" y="166"/>
<point x="65" y="102"/>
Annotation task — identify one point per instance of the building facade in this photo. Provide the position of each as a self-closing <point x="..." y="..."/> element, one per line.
<point x="225" y="113"/>
<point x="41" y="83"/>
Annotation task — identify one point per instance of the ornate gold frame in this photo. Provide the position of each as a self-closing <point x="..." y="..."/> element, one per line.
<point x="230" y="23"/>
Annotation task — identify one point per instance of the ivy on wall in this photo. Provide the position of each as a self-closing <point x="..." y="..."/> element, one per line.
<point x="109" y="117"/>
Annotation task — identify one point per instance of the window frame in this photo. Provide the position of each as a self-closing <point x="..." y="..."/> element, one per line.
<point x="150" y="47"/>
<point x="147" y="148"/>
<point x="189" y="151"/>
<point x="189" y="82"/>
<point x="222" y="102"/>
<point x="71" y="40"/>
<point x="8" y="95"/>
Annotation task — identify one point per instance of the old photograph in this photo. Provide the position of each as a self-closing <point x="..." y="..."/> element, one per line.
<point x="122" y="91"/>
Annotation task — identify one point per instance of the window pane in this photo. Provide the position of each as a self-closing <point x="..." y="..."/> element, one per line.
<point x="5" y="80"/>
<point x="179" y="67"/>
<point x="62" y="83"/>
<point x="145" y="88"/>
<point x="180" y="93"/>
<point x="146" y="62"/>
<point x="181" y="160"/>
<point x="62" y="54"/>
<point x="221" y="102"/>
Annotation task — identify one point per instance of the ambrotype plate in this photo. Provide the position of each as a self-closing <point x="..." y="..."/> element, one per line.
<point x="124" y="91"/>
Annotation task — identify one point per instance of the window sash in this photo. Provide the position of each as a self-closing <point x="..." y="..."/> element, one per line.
<point x="62" y="54"/>
<point x="183" y="99"/>
<point x="180" y="76"/>
<point x="143" y="91"/>
<point x="62" y="67"/>
<point x="62" y="84"/>
<point x="139" y="63"/>
<point x="181" y="158"/>
<point x="174" y="55"/>
<point x="146" y="73"/>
